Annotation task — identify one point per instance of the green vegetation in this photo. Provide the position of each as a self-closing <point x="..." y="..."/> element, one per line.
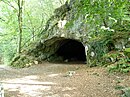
<point x="125" y="91"/>
<point x="117" y="62"/>
<point x="21" y="22"/>
<point x="108" y="25"/>
<point x="127" y="52"/>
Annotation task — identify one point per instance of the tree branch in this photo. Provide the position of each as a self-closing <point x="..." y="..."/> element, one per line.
<point x="2" y="19"/>
<point x="8" y="3"/>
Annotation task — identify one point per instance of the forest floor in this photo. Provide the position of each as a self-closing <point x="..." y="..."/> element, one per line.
<point x="61" y="80"/>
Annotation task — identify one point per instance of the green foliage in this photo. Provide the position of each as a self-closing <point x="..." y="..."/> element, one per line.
<point x="116" y="62"/>
<point x="95" y="46"/>
<point x="100" y="46"/>
<point x="118" y="87"/>
<point x="122" y="66"/>
<point x="110" y="58"/>
<point x="106" y="21"/>
<point x="7" y="51"/>
<point x="102" y="16"/>
<point x="35" y="15"/>
<point x="125" y="90"/>
<point x="127" y="52"/>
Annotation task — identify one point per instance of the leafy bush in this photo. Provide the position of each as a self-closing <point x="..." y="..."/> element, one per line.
<point x="122" y="66"/>
<point x="116" y="62"/>
<point x="112" y="57"/>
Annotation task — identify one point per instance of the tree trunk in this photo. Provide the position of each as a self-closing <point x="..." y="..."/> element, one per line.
<point x="20" y="4"/>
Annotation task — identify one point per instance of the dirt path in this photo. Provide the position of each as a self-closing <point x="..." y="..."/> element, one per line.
<point x="60" y="80"/>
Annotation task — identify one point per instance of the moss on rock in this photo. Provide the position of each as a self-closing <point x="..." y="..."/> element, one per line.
<point x="21" y="61"/>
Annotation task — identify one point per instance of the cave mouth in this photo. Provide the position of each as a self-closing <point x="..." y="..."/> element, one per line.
<point x="70" y="50"/>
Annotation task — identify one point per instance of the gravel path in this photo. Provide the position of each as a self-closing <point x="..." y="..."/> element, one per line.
<point x="61" y="80"/>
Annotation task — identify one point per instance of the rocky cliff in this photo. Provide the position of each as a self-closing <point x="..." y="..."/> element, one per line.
<point x="66" y="28"/>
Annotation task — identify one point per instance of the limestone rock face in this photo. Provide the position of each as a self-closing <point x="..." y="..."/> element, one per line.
<point x="56" y="31"/>
<point x="60" y="49"/>
<point x="64" y="26"/>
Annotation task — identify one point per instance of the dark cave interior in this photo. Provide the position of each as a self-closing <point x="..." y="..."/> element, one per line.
<point x="71" y="51"/>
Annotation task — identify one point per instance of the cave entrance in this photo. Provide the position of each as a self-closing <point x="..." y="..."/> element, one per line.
<point x="71" y="51"/>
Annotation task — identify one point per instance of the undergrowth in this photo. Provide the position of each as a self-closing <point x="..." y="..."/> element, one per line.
<point x="117" y="62"/>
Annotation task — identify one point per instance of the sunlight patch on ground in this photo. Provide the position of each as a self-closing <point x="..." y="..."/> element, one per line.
<point x="67" y="95"/>
<point x="31" y="77"/>
<point x="32" y="90"/>
<point x="55" y="95"/>
<point x="28" y="80"/>
<point x="27" y="85"/>
<point x="68" y="89"/>
<point x="53" y="75"/>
